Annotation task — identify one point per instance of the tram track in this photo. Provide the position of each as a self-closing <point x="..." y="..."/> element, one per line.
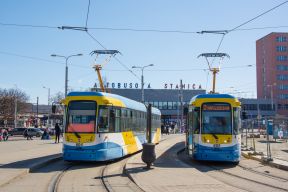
<point x="53" y="186"/>
<point x="247" y="179"/>
<point x="239" y="176"/>
<point x="281" y="179"/>
<point x="107" y="176"/>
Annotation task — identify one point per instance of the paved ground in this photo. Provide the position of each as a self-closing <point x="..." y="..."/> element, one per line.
<point x="279" y="148"/>
<point x="19" y="156"/>
<point x="169" y="173"/>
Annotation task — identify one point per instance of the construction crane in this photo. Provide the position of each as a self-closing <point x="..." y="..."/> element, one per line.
<point x="214" y="70"/>
<point x="98" y="67"/>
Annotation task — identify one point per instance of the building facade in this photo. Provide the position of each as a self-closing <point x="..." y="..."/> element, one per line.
<point x="272" y="70"/>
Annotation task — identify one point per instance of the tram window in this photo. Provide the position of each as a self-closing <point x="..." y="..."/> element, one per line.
<point x="196" y="120"/>
<point x="236" y="120"/>
<point x="218" y="123"/>
<point x="117" y="120"/>
<point x="103" y="123"/>
<point x="112" y="120"/>
<point x="81" y="116"/>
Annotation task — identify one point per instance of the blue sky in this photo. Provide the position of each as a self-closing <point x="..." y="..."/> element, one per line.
<point x="173" y="54"/>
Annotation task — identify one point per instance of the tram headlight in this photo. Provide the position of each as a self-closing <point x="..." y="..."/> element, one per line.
<point x="225" y="141"/>
<point x="207" y="141"/>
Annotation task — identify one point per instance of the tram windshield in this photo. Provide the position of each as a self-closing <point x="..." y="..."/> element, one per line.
<point x="216" y="118"/>
<point x="81" y="117"/>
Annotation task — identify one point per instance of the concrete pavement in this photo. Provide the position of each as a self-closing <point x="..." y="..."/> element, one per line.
<point x="169" y="173"/>
<point x="23" y="156"/>
<point x="279" y="151"/>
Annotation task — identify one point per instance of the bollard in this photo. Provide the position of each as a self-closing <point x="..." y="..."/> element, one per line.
<point x="148" y="154"/>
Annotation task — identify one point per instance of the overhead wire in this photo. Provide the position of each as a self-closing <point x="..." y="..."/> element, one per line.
<point x="91" y="36"/>
<point x="246" y="22"/>
<point x="87" y="15"/>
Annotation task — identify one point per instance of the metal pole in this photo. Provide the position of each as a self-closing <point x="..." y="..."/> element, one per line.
<point x="181" y="100"/>
<point x="15" y="113"/>
<point x="48" y="96"/>
<point x="142" y="85"/>
<point x="37" y="111"/>
<point x="272" y="107"/>
<point x="66" y="77"/>
<point x="214" y="80"/>
<point x="246" y="134"/>
<point x="149" y="118"/>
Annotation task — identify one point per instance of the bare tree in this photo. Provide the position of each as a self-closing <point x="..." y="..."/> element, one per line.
<point x="57" y="98"/>
<point x="11" y="99"/>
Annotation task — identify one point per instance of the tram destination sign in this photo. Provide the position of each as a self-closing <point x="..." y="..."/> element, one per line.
<point x="215" y="107"/>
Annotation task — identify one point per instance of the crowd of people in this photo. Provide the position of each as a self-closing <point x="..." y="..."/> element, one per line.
<point x="169" y="127"/>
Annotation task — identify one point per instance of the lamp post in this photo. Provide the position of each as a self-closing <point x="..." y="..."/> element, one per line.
<point x="142" y="79"/>
<point x="48" y="121"/>
<point x="48" y="94"/>
<point x="66" y="68"/>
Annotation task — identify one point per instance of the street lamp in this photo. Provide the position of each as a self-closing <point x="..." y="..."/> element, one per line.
<point x="142" y="78"/>
<point x="66" y="68"/>
<point x="48" y="94"/>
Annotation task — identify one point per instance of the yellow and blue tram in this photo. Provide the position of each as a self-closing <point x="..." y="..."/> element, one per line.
<point x="213" y="131"/>
<point x="102" y="126"/>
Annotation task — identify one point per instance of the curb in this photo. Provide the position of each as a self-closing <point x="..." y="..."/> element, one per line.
<point x="270" y="163"/>
<point x="33" y="168"/>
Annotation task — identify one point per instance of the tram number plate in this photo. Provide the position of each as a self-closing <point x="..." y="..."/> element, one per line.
<point x="79" y="144"/>
<point x="216" y="145"/>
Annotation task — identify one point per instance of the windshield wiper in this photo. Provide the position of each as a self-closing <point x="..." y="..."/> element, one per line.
<point x="77" y="135"/>
<point x="214" y="135"/>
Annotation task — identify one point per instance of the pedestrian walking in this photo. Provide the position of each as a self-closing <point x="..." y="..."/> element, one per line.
<point x="27" y="134"/>
<point x="5" y="134"/>
<point x="57" y="133"/>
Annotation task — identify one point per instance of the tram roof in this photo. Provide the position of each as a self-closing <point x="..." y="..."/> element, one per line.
<point x="210" y="97"/>
<point x="129" y="103"/>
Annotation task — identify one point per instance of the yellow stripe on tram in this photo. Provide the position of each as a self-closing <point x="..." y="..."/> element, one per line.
<point x="130" y="142"/>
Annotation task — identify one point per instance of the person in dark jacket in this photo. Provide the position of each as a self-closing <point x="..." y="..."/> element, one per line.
<point x="57" y="133"/>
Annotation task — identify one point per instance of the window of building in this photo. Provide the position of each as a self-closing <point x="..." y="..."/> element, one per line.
<point x="155" y="104"/>
<point x="283" y="96"/>
<point x="175" y="105"/>
<point x="281" y="48"/>
<point x="160" y="105"/>
<point x="250" y="107"/>
<point x="170" y="105"/>
<point x="282" y="77"/>
<point x="265" y="107"/>
<point x="281" y="39"/>
<point x="281" y="57"/>
<point x="283" y="87"/>
<point x="164" y="105"/>
<point x="282" y="67"/>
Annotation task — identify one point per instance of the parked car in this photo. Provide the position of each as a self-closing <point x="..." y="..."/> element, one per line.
<point x="34" y="132"/>
<point x="17" y="131"/>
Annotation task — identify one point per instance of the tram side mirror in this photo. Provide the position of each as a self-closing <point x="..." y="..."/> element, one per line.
<point x="244" y="115"/>
<point x="185" y="111"/>
<point x="53" y="108"/>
